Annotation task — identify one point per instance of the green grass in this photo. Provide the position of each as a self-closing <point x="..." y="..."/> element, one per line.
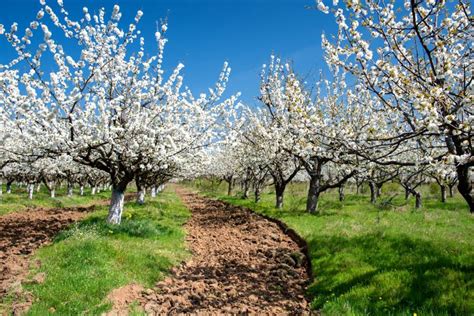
<point x="381" y="259"/>
<point x="87" y="261"/>
<point x="18" y="199"/>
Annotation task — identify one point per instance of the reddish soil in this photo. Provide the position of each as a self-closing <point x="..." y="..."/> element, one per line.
<point x="123" y="297"/>
<point x="23" y="232"/>
<point x="241" y="263"/>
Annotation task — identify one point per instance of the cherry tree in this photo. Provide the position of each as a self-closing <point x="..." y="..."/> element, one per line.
<point x="96" y="178"/>
<point x="415" y="57"/>
<point x="411" y="178"/>
<point x="50" y="173"/>
<point x="155" y="179"/>
<point x="267" y="139"/>
<point x="107" y="104"/>
<point x="314" y="129"/>
<point x="224" y="162"/>
<point x="24" y="173"/>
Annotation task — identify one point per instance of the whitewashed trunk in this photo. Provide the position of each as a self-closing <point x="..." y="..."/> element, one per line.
<point x="116" y="207"/>
<point x="38" y="187"/>
<point x="93" y="190"/>
<point x="141" y="197"/>
<point x="53" y="193"/>
<point x="1" y="188"/>
<point x="153" y="192"/>
<point x="69" y="190"/>
<point x="9" y="188"/>
<point x="31" y="188"/>
<point x="81" y="192"/>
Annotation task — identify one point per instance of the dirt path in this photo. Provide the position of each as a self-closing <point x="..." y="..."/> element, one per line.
<point x="241" y="263"/>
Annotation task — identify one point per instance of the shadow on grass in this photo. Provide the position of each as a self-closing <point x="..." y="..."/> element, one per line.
<point x="377" y="274"/>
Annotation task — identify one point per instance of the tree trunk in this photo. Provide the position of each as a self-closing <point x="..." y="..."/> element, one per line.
<point x="69" y="189"/>
<point x="140" y="192"/>
<point x="38" y="187"/>
<point x="141" y="196"/>
<point x="407" y="194"/>
<point x="1" y="187"/>
<point x="373" y="192"/>
<point x="465" y="186"/>
<point x="116" y="206"/>
<point x="31" y="188"/>
<point x="81" y="190"/>
<point x="245" y="194"/>
<point x="161" y="188"/>
<point x="451" y="191"/>
<point x="279" y="201"/>
<point x="93" y="190"/>
<point x="153" y="192"/>
<point x="341" y="193"/>
<point x="379" y="189"/>
<point x="230" y="186"/>
<point x="417" y="200"/>
<point x="257" y="194"/>
<point x="443" y="193"/>
<point x="312" y="200"/>
<point x="9" y="187"/>
<point x="52" y="193"/>
<point x="279" y="192"/>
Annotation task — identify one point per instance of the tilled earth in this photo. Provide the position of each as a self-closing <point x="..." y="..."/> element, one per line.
<point x="241" y="263"/>
<point x="23" y="232"/>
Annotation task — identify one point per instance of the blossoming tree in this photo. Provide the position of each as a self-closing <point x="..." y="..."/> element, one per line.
<point x="106" y="104"/>
<point x="415" y="56"/>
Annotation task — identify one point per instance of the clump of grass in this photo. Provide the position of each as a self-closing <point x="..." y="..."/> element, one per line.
<point x="91" y="258"/>
<point x="384" y="258"/>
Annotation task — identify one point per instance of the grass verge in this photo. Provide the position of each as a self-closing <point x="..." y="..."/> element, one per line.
<point x="378" y="259"/>
<point x="91" y="258"/>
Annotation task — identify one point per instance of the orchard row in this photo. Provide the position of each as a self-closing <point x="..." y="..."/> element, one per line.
<point x="395" y="104"/>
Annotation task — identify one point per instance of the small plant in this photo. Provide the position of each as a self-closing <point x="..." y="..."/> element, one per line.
<point x="387" y="203"/>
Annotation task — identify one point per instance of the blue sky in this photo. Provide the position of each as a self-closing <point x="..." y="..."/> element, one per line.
<point x="204" y="33"/>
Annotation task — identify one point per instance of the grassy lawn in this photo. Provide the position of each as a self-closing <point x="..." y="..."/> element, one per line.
<point x="90" y="259"/>
<point x="18" y="199"/>
<point x="381" y="259"/>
